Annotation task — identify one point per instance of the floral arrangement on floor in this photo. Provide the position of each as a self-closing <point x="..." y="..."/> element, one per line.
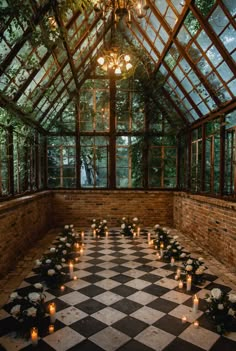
<point x="222" y="310"/>
<point x="162" y="237"/>
<point x="175" y="250"/>
<point x="27" y="308"/>
<point x="169" y="244"/>
<point x="129" y="227"/>
<point x="49" y="267"/>
<point x="195" y="268"/>
<point x="99" y="226"/>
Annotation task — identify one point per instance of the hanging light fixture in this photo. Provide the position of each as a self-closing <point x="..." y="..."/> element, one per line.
<point x="114" y="61"/>
<point x="122" y="9"/>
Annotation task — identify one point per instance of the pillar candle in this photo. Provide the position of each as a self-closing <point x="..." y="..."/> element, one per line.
<point x="184" y="319"/>
<point x="71" y="270"/>
<point x="195" y="304"/>
<point x="138" y="231"/>
<point x="180" y="284"/>
<point x="52" y="312"/>
<point x="189" y="283"/>
<point x="161" y="249"/>
<point x="196" y="324"/>
<point x="172" y="261"/>
<point x="178" y="272"/>
<point x="34" y="336"/>
<point x="149" y="236"/>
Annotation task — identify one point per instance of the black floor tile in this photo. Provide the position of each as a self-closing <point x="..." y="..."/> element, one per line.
<point x="162" y="305"/>
<point x="134" y="345"/>
<point x="123" y="290"/>
<point x="130" y="326"/>
<point x="223" y="344"/>
<point x="88" y="326"/>
<point x="152" y="278"/>
<point x="86" y="345"/>
<point x="155" y="290"/>
<point x="90" y="306"/>
<point x="181" y="345"/>
<point x="126" y="306"/>
<point x="120" y="269"/>
<point x="93" y="278"/>
<point x="91" y="290"/>
<point x="171" y="325"/>
<point x="121" y="278"/>
<point x="94" y="269"/>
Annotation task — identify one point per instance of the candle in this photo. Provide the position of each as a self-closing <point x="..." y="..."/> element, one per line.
<point x="134" y="235"/>
<point x="195" y="304"/>
<point x="161" y="249"/>
<point x="81" y="251"/>
<point x="180" y="284"/>
<point x="71" y="270"/>
<point x="149" y="236"/>
<point x="77" y="259"/>
<point x="172" y="261"/>
<point x="158" y="256"/>
<point x="196" y="324"/>
<point x="178" y="272"/>
<point x="94" y="233"/>
<point x="52" y="312"/>
<point x="107" y="233"/>
<point x="77" y="246"/>
<point x="184" y="319"/>
<point x="82" y="235"/>
<point x="75" y="277"/>
<point x="62" y="288"/>
<point x="138" y="231"/>
<point x="51" y="329"/>
<point x="34" y="336"/>
<point x="189" y="283"/>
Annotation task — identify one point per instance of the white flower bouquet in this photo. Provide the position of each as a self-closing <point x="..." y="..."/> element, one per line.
<point x="99" y="227"/>
<point x="129" y="227"/>
<point x="222" y="310"/>
<point x="27" y="308"/>
<point x="195" y="268"/>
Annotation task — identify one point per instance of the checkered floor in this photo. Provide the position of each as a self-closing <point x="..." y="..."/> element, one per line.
<point x="124" y="299"/>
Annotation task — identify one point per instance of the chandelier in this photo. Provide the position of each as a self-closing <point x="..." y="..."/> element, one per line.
<point x="122" y="9"/>
<point x="115" y="62"/>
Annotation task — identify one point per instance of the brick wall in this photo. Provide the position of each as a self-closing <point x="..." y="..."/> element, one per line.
<point x="80" y="207"/>
<point x="22" y="222"/>
<point x="210" y="222"/>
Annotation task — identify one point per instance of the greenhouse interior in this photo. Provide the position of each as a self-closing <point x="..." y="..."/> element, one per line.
<point x="118" y="175"/>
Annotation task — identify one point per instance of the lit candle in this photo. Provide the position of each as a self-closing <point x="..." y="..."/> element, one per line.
<point x="134" y="235"/>
<point x="107" y="233"/>
<point x="82" y="235"/>
<point x="138" y="231"/>
<point x="34" y="336"/>
<point x="196" y="324"/>
<point x="94" y="233"/>
<point x="161" y="249"/>
<point x="158" y="256"/>
<point x="62" y="288"/>
<point x="71" y="270"/>
<point x="149" y="236"/>
<point x="195" y="304"/>
<point x="75" y="277"/>
<point x="184" y="319"/>
<point x="52" y="312"/>
<point x="180" y="284"/>
<point x="51" y="329"/>
<point x="189" y="283"/>
<point x="81" y="251"/>
<point x="178" y="272"/>
<point x="77" y="259"/>
<point x="172" y="261"/>
<point x="77" y="246"/>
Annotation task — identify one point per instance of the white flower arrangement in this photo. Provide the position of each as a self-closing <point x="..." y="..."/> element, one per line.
<point x="27" y="308"/>
<point x="196" y="268"/>
<point x="129" y="227"/>
<point x="222" y="310"/>
<point x="99" y="226"/>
